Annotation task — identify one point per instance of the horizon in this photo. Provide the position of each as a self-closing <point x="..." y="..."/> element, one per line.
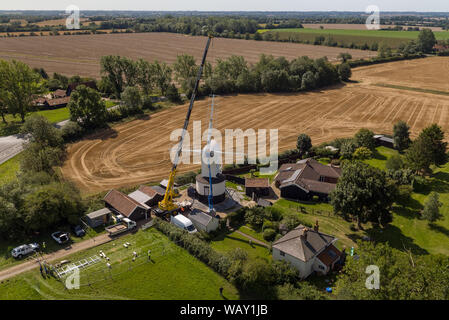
<point x="230" y="5"/>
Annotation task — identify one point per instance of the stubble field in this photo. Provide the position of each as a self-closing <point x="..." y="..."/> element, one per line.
<point x="80" y="54"/>
<point x="138" y="151"/>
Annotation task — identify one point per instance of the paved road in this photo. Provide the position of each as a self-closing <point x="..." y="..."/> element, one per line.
<point x="57" y="255"/>
<point x="11" y="146"/>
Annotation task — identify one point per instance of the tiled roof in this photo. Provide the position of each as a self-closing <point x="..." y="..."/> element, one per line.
<point x="122" y="203"/>
<point x="303" y="243"/>
<point x="257" y="183"/>
<point x="306" y="174"/>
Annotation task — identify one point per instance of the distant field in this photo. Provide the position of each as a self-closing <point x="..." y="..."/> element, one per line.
<point x="356" y="36"/>
<point x="351" y="26"/>
<point x="81" y="54"/>
<point x="440" y="35"/>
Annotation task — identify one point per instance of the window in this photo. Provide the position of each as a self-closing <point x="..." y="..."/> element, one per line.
<point x="322" y="178"/>
<point x="321" y="267"/>
<point x="282" y="253"/>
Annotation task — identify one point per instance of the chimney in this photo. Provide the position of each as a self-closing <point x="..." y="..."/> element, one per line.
<point x="304" y="233"/>
<point x="316" y="227"/>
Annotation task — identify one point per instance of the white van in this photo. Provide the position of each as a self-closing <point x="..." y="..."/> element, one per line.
<point x="183" y="223"/>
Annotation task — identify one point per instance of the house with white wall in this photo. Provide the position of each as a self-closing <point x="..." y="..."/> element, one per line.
<point x="308" y="250"/>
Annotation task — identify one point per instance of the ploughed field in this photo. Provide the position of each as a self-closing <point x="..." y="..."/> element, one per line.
<point x="80" y="54"/>
<point x="138" y="151"/>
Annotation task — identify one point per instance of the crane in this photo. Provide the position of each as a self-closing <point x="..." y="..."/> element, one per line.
<point x="167" y="204"/>
<point x="211" y="196"/>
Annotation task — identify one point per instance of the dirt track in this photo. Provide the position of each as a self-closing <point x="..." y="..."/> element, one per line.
<point x="138" y="151"/>
<point x="81" y="54"/>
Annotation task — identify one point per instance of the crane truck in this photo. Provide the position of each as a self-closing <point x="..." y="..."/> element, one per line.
<point x="166" y="205"/>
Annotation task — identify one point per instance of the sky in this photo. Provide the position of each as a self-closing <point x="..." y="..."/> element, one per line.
<point x="229" y="5"/>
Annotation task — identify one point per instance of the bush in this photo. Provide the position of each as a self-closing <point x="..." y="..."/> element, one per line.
<point x="269" y="234"/>
<point x="237" y="217"/>
<point x="186" y="178"/>
<point x="254" y="217"/>
<point x="291" y="221"/>
<point x="284" y="272"/>
<point x="344" y="71"/>
<point x="72" y="131"/>
<point x="173" y="94"/>
<point x="404" y="193"/>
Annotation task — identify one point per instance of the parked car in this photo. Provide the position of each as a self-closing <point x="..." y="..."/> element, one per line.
<point x="60" y="237"/>
<point x="24" y="250"/>
<point x="78" y="231"/>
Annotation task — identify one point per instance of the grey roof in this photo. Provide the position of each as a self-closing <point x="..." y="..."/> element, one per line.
<point x="158" y="189"/>
<point x="200" y="217"/>
<point x="303" y="243"/>
<point x="99" y="213"/>
<point x="139" y="196"/>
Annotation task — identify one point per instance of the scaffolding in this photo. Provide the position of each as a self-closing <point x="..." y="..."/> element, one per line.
<point x="68" y="269"/>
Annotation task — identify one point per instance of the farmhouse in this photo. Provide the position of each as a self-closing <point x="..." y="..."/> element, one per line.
<point x="121" y="204"/>
<point x="256" y="186"/>
<point x="308" y="250"/>
<point x="203" y="221"/>
<point x="382" y="140"/>
<point x="99" y="217"/>
<point x="307" y="178"/>
<point x="59" y="93"/>
<point x="148" y="196"/>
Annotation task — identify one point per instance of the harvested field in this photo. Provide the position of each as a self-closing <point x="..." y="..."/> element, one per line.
<point x="138" y="151"/>
<point x="430" y="73"/>
<point x="81" y="54"/>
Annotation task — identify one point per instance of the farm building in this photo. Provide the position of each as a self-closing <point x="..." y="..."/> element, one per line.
<point x="73" y="86"/>
<point x="257" y="186"/>
<point x="57" y="103"/>
<point x="307" y="178"/>
<point x="99" y="217"/>
<point x="148" y="196"/>
<point x="121" y="204"/>
<point x="203" y="221"/>
<point x="308" y="250"/>
<point x="382" y="140"/>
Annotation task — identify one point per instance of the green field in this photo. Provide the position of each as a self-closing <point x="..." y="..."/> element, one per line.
<point x="229" y="241"/>
<point x="14" y="123"/>
<point x="8" y="169"/>
<point x="411" y="35"/>
<point x="358" y="37"/>
<point x="171" y="274"/>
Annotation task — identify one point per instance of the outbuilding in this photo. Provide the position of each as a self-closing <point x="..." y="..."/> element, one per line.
<point x="121" y="204"/>
<point x="99" y="217"/>
<point x="204" y="221"/>
<point x="257" y="186"/>
<point x="148" y="196"/>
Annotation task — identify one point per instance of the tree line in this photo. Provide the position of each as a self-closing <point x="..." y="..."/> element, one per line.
<point x="231" y="75"/>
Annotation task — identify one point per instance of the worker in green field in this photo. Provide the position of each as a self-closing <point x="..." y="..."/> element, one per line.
<point x="149" y="255"/>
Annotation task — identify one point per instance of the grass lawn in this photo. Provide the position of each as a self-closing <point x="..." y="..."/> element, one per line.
<point x="246" y="229"/>
<point x="228" y="241"/>
<point x="14" y="123"/>
<point x="8" y="169"/>
<point x="380" y="157"/>
<point x="329" y="223"/>
<point x="172" y="274"/>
